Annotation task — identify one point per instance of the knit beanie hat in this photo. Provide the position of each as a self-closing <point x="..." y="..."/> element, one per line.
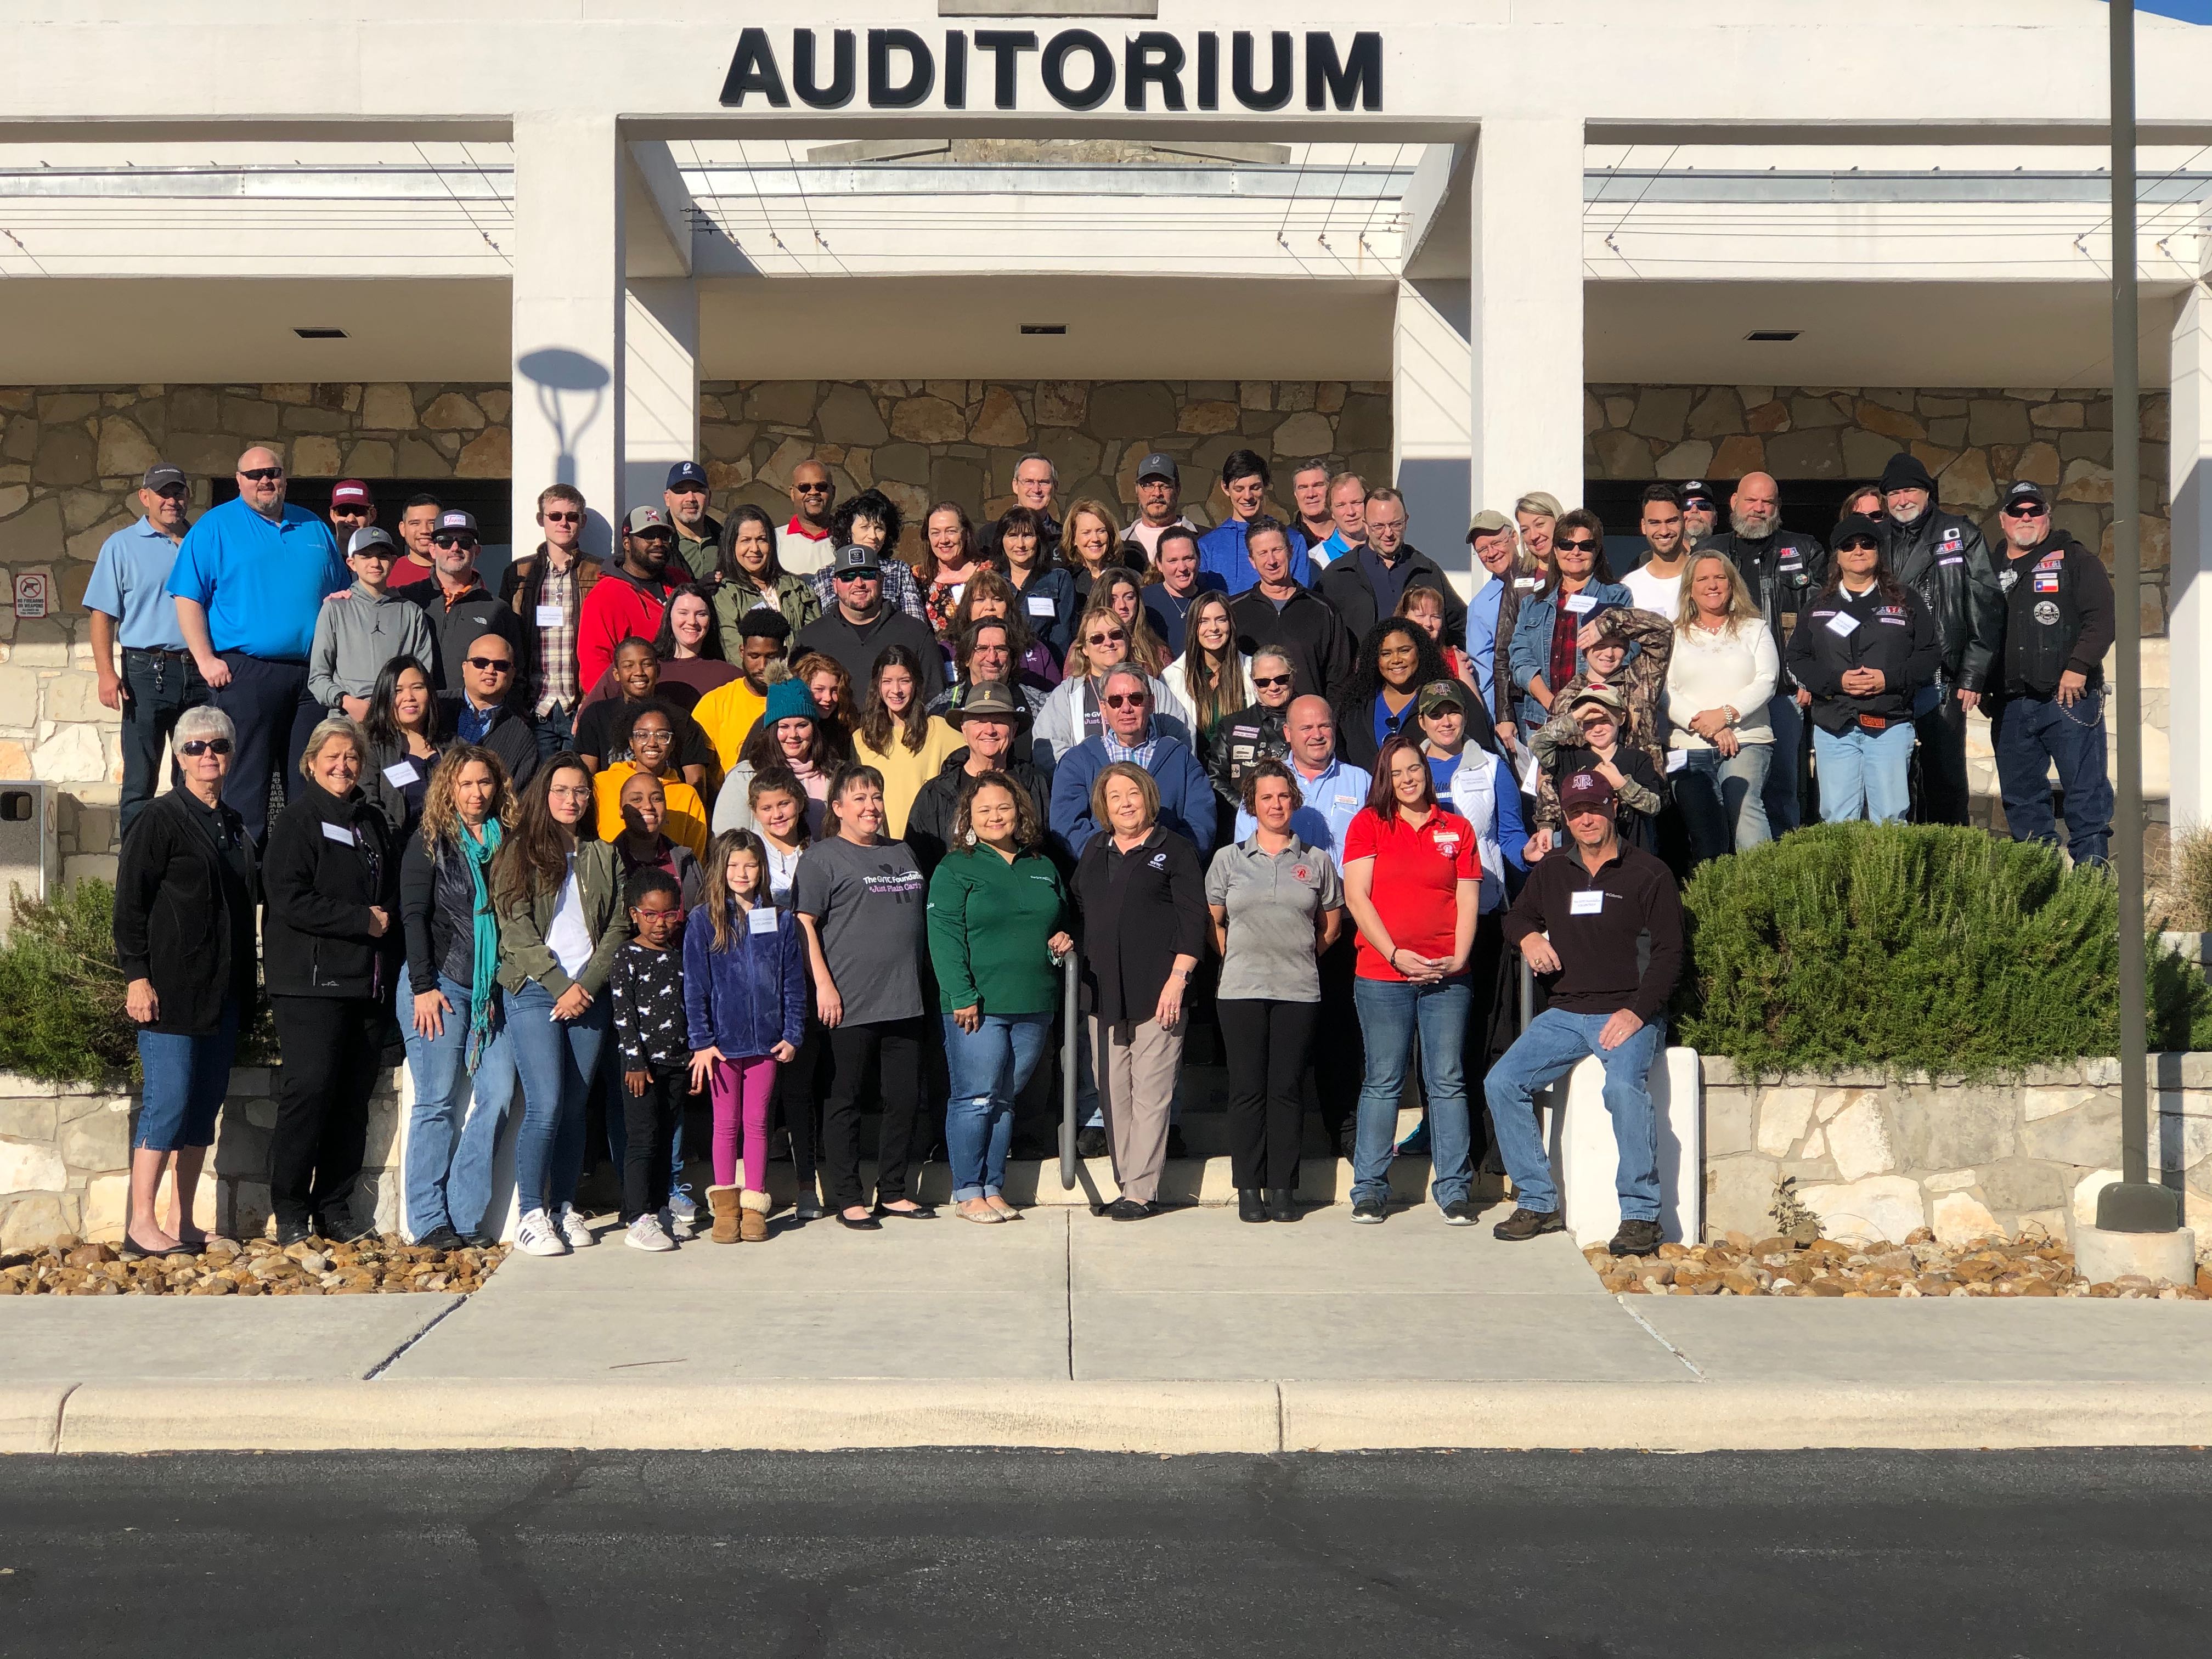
<point x="1905" y="471"/>
<point x="790" y="700"/>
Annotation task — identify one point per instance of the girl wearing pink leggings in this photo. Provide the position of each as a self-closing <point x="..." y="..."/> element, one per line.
<point x="745" y="991"/>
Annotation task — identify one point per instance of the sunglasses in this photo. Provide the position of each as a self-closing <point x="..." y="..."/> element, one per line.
<point x="1127" y="699"/>
<point x="198" y="746"/>
<point x="1580" y="545"/>
<point x="1117" y="637"/>
<point x="348" y="510"/>
<point x="263" y="474"/>
<point x="1269" y="682"/>
<point x="811" y="490"/>
<point x="564" y="518"/>
<point x="2027" y="510"/>
<point x="173" y="492"/>
<point x="491" y="665"/>
<point x="1859" y="544"/>
<point x="453" y="541"/>
<point x="859" y="575"/>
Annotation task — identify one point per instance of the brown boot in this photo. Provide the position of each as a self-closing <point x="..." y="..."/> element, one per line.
<point x="723" y="1201"/>
<point x="752" y="1218"/>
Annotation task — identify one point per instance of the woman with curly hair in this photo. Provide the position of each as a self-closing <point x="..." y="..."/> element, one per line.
<point x="872" y="520"/>
<point x="831" y="688"/>
<point x="949" y="562"/>
<point x="1395" y="660"/>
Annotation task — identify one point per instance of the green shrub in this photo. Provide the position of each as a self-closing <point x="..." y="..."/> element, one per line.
<point x="1914" y="949"/>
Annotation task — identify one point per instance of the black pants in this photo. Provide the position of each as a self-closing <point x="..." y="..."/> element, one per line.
<point x="799" y="1087"/>
<point x="892" y="1052"/>
<point x="270" y="705"/>
<point x="331" y="1046"/>
<point x="1267" y="1043"/>
<point x="1340" y="1057"/>
<point x="648" y="1133"/>
<point x="158" y="686"/>
<point x="1493" y="1017"/>
<point x="1940" y="789"/>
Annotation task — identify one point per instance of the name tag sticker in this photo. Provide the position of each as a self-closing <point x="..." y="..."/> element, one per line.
<point x="1581" y="604"/>
<point x="548" y="615"/>
<point x="340" y="834"/>
<point x="1843" y="624"/>
<point x="1528" y="584"/>
<point x="1952" y="558"/>
<point x="956" y="590"/>
<point x="1677" y="759"/>
<point x="400" y="774"/>
<point x="1038" y="605"/>
<point x="1587" y="904"/>
<point x="761" y="919"/>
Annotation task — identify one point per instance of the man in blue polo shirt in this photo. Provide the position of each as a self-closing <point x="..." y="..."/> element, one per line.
<point x="129" y="593"/>
<point x="249" y="581"/>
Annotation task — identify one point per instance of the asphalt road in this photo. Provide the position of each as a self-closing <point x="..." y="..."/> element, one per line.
<point x="982" y="1555"/>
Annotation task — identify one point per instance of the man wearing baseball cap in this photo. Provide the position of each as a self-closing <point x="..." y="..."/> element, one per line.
<point x="1602" y="924"/>
<point x="1701" y="511"/>
<point x="1497" y="550"/>
<point x="857" y="628"/>
<point x="1159" y="506"/>
<point x="629" y="600"/>
<point x="698" y="533"/>
<point x="461" y="609"/>
<point x="2046" y="697"/>
<point x="128" y="595"/>
<point x="351" y="509"/>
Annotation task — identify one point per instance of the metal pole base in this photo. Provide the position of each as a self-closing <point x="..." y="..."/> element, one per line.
<point x="2138" y="1207"/>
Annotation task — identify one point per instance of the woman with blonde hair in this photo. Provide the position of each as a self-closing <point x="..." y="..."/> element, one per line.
<point x="1722" y="671"/>
<point x="1123" y="594"/>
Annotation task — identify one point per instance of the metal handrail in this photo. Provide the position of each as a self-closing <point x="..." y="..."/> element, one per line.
<point x="1069" y="1037"/>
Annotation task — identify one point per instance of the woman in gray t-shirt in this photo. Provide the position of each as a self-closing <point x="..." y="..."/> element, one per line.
<point x="863" y="905"/>
<point x="1277" y="904"/>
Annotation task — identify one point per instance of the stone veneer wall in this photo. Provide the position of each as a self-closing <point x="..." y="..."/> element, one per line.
<point x="1876" y="1157"/>
<point x="65" y="1158"/>
<point x="1974" y="442"/>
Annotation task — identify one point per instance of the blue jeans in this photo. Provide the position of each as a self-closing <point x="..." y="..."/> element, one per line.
<point x="186" y="1078"/>
<point x="2030" y="734"/>
<point x="988" y="1067"/>
<point x="1722" y="801"/>
<point x="1540" y="1057"/>
<point x="1778" y="793"/>
<point x="555" y="732"/>
<point x="1389" y="1012"/>
<point x="554" y="1059"/>
<point x="453" y="1128"/>
<point x="157" y="689"/>
<point x="1860" y="769"/>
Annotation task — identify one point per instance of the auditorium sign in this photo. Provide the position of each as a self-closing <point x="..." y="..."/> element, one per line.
<point x="899" y="69"/>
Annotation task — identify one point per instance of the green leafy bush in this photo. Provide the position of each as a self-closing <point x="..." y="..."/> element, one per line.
<point x="1914" y="949"/>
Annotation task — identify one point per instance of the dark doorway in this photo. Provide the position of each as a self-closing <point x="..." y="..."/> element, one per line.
<point x="1808" y="507"/>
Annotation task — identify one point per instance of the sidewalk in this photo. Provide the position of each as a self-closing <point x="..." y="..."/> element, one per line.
<point x="1191" y="1332"/>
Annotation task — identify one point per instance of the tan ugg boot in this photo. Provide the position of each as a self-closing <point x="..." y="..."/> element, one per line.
<point x="752" y="1218"/>
<point x="723" y="1201"/>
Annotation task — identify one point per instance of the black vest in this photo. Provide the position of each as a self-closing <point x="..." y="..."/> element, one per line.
<point x="2043" y="617"/>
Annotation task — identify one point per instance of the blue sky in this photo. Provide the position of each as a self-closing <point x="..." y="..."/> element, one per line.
<point x="2189" y="11"/>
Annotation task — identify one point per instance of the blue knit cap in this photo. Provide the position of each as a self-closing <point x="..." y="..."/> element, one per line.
<point x="790" y="700"/>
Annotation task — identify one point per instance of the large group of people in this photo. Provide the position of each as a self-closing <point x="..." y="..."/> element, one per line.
<point x="799" y="823"/>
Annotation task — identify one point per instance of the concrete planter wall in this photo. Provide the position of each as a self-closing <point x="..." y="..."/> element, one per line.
<point x="1876" y="1157"/>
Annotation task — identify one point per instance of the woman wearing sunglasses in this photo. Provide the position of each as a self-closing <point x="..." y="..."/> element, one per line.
<point x="1070" y="713"/>
<point x="184" y="938"/>
<point x="1254" y="733"/>
<point x="1863" y="651"/>
<point x="1557" y="622"/>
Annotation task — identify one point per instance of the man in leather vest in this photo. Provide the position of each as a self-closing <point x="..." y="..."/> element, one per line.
<point x="1783" y="570"/>
<point x="1943" y="558"/>
<point x="2046" y="697"/>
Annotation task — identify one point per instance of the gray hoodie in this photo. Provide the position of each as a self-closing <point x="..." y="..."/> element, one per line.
<point x="358" y="633"/>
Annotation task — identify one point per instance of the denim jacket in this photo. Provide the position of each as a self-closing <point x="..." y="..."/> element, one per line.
<point x="745" y="1000"/>
<point x="1531" y="650"/>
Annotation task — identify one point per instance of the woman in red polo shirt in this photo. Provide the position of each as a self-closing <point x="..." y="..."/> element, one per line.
<point x="1411" y="881"/>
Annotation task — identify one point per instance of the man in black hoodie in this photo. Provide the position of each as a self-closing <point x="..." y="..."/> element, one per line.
<point x="2047" y="699"/>
<point x="1943" y="558"/>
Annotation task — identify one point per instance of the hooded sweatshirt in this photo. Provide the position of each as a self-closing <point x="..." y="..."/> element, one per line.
<point x="355" y="634"/>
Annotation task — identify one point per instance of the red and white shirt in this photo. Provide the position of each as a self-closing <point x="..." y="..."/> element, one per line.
<point x="1414" y="885"/>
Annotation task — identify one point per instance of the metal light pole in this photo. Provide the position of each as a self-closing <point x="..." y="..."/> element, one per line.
<point x="2134" y="1204"/>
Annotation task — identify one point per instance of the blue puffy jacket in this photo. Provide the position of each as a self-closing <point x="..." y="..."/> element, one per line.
<point x="1531" y="650"/>
<point x="745" y="1000"/>
<point x="1187" y="799"/>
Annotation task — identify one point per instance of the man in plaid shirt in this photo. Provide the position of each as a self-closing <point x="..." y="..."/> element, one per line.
<point x="546" y="591"/>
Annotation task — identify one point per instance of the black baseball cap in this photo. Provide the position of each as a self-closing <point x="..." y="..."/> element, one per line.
<point x="160" y="476"/>
<point x="1699" y="492"/>
<point x="2029" y="494"/>
<point x="1854" y="524"/>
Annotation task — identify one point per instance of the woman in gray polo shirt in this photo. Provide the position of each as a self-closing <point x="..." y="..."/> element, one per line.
<point x="1277" y="904"/>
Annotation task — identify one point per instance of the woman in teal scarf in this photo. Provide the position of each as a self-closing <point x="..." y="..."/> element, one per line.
<point x="457" y="1050"/>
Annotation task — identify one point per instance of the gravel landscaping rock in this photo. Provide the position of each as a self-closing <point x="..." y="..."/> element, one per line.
<point x="368" y="1266"/>
<point x="2032" y="1264"/>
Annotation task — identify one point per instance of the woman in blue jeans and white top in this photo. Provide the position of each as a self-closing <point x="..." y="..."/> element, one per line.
<point x="998" y="923"/>
<point x="1862" y="651"/>
<point x="557" y="893"/>
<point x="456" y="1040"/>
<point x="1720" y="678"/>
<point x="1411" y="881"/>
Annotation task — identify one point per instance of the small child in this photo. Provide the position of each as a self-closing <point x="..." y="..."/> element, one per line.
<point x="647" y="985"/>
<point x="359" y="631"/>
<point x="744" y="989"/>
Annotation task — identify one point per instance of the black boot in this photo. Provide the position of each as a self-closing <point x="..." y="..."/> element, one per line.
<point x="1282" y="1204"/>
<point x="1249" y="1205"/>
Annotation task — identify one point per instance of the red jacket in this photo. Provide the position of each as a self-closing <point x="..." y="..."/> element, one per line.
<point x="618" y="607"/>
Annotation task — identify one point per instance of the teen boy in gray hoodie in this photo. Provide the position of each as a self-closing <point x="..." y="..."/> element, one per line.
<point x="359" y="630"/>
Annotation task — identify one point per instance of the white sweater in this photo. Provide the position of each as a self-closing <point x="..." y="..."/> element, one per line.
<point x="1734" y="670"/>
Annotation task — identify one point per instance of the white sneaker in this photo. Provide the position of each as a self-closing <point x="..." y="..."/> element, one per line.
<point x="536" y="1234"/>
<point x="645" y="1233"/>
<point x="573" y="1229"/>
<point x="683" y="1207"/>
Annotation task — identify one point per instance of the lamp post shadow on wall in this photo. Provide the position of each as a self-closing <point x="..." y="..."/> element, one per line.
<point x="572" y="391"/>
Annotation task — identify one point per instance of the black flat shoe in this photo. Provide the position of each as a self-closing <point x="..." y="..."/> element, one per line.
<point x="919" y="1213"/>
<point x="1282" y="1204"/>
<point x="289" y="1233"/>
<point x="440" y="1238"/>
<point x="867" y="1223"/>
<point x="1130" y="1209"/>
<point x="1249" y="1206"/>
<point x="131" y="1250"/>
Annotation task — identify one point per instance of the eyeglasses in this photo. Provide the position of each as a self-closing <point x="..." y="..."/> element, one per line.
<point x="1270" y="681"/>
<point x="641" y="737"/>
<point x="1582" y="544"/>
<point x="491" y="665"/>
<point x="1127" y="699"/>
<point x="1859" y="544"/>
<point x="263" y="474"/>
<point x="450" y="541"/>
<point x="196" y="747"/>
<point x="564" y="518"/>
<point x="2027" y="510"/>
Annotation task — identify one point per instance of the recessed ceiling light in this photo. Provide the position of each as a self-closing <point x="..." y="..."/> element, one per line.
<point x="320" y="333"/>
<point x="1044" y="328"/>
<point x="1774" y="334"/>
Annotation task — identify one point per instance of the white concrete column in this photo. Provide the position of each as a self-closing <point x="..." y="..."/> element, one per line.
<point x="660" y="384"/>
<point x="2189" y="624"/>
<point x="1526" y="328"/>
<point x="568" y="317"/>
<point x="1430" y="407"/>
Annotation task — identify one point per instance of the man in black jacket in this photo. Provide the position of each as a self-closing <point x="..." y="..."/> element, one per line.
<point x="1277" y="611"/>
<point x="1783" y="570"/>
<point x="856" y="629"/>
<point x="456" y="600"/>
<point x="482" y="712"/>
<point x="1942" y="557"/>
<point x="2047" y="702"/>
<point x="989" y="717"/>
<point x="1365" y="584"/>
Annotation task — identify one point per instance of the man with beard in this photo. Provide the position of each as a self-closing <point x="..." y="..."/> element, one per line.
<point x="1783" y="570"/>
<point x="1700" y="514"/>
<point x="1943" y="558"/>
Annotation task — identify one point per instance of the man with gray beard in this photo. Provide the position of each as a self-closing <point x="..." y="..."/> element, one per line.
<point x="1700" y="514"/>
<point x="1783" y="570"/>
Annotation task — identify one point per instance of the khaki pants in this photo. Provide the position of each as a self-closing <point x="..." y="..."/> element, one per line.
<point x="1136" y="1066"/>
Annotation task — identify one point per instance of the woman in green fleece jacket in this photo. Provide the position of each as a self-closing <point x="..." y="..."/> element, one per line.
<point x="997" y="927"/>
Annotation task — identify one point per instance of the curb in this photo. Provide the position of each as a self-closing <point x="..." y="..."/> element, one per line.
<point x="1159" y="1417"/>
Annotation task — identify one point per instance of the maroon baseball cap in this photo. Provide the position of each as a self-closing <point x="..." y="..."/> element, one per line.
<point x="1586" y="789"/>
<point x="350" y="490"/>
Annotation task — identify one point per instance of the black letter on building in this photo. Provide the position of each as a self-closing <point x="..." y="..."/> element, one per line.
<point x="1209" y="70"/>
<point x="1361" y="72"/>
<point x="956" y="69"/>
<point x="921" y="68"/>
<point x="1154" y="57"/>
<point x="753" y="69"/>
<point x="1006" y="47"/>
<point x="1240" y="72"/>
<point x="838" y="92"/>
<point x="1064" y="46"/>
